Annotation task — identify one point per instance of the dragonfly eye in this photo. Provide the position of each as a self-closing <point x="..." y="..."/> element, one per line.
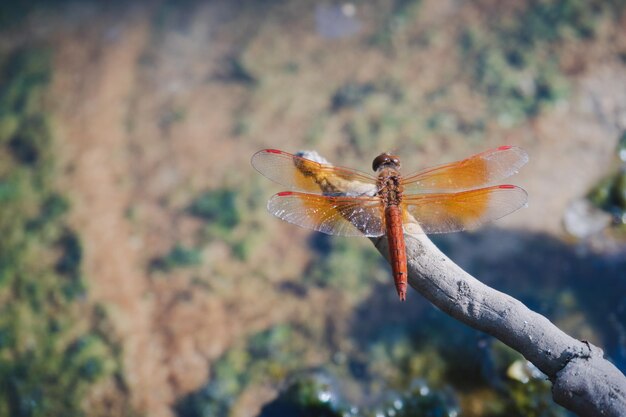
<point x="380" y="160"/>
<point x="385" y="159"/>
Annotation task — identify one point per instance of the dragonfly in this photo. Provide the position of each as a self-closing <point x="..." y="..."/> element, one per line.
<point x="340" y="201"/>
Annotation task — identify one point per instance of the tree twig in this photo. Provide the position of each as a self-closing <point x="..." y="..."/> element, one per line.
<point x="583" y="381"/>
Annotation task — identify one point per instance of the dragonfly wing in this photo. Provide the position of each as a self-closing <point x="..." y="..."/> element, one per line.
<point x="466" y="210"/>
<point x="333" y="215"/>
<point x="303" y="174"/>
<point x="476" y="171"/>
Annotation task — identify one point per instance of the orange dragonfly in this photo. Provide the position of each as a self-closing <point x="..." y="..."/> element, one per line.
<point x="345" y="202"/>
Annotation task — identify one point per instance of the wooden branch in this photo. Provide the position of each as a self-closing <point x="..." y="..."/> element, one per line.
<point x="583" y="380"/>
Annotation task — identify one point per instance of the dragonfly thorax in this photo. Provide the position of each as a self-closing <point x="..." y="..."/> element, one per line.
<point x="389" y="185"/>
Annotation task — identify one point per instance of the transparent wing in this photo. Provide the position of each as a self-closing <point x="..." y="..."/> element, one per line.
<point x="302" y="174"/>
<point x="476" y="171"/>
<point x="443" y="213"/>
<point x="333" y="215"/>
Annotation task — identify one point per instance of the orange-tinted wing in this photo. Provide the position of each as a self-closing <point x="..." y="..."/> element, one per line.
<point x="333" y="215"/>
<point x="303" y="174"/>
<point x="476" y="171"/>
<point x="453" y="212"/>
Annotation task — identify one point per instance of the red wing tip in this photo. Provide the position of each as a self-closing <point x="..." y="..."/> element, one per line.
<point x="505" y="147"/>
<point x="272" y="151"/>
<point x="284" y="193"/>
<point x="507" y="186"/>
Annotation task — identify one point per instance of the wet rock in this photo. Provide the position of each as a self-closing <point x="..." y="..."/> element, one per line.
<point x="582" y="219"/>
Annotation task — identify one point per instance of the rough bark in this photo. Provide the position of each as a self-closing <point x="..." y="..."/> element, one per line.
<point x="583" y="380"/>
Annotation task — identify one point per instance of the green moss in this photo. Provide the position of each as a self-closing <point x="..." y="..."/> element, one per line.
<point x="25" y="73"/>
<point x="355" y="95"/>
<point x="532" y="399"/>
<point x="548" y="21"/>
<point x="31" y="140"/>
<point x="265" y="357"/>
<point x="8" y="126"/>
<point x="179" y="257"/>
<point x="377" y="115"/>
<point x="52" y="208"/>
<point x="351" y="95"/>
<point x="306" y="396"/>
<point x="609" y="193"/>
<point x="71" y="254"/>
<point x="412" y="370"/>
<point x="47" y="362"/>
<point x="243" y="248"/>
<point x="516" y="60"/>
<point x="222" y="210"/>
<point x="25" y="127"/>
<point x="395" y="22"/>
<point x="344" y="264"/>
<point x="600" y="195"/>
<point x="218" y="207"/>
<point x="87" y="357"/>
<point x="517" y="83"/>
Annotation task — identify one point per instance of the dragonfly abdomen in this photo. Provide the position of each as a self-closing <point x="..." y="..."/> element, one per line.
<point x="397" y="249"/>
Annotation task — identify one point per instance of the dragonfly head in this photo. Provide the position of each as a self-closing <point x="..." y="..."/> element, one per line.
<point x="386" y="160"/>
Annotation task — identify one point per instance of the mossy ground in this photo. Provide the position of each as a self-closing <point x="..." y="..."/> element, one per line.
<point x="52" y="345"/>
<point x="235" y="298"/>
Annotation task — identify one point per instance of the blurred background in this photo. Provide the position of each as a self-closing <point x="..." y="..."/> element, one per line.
<point x="140" y="274"/>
